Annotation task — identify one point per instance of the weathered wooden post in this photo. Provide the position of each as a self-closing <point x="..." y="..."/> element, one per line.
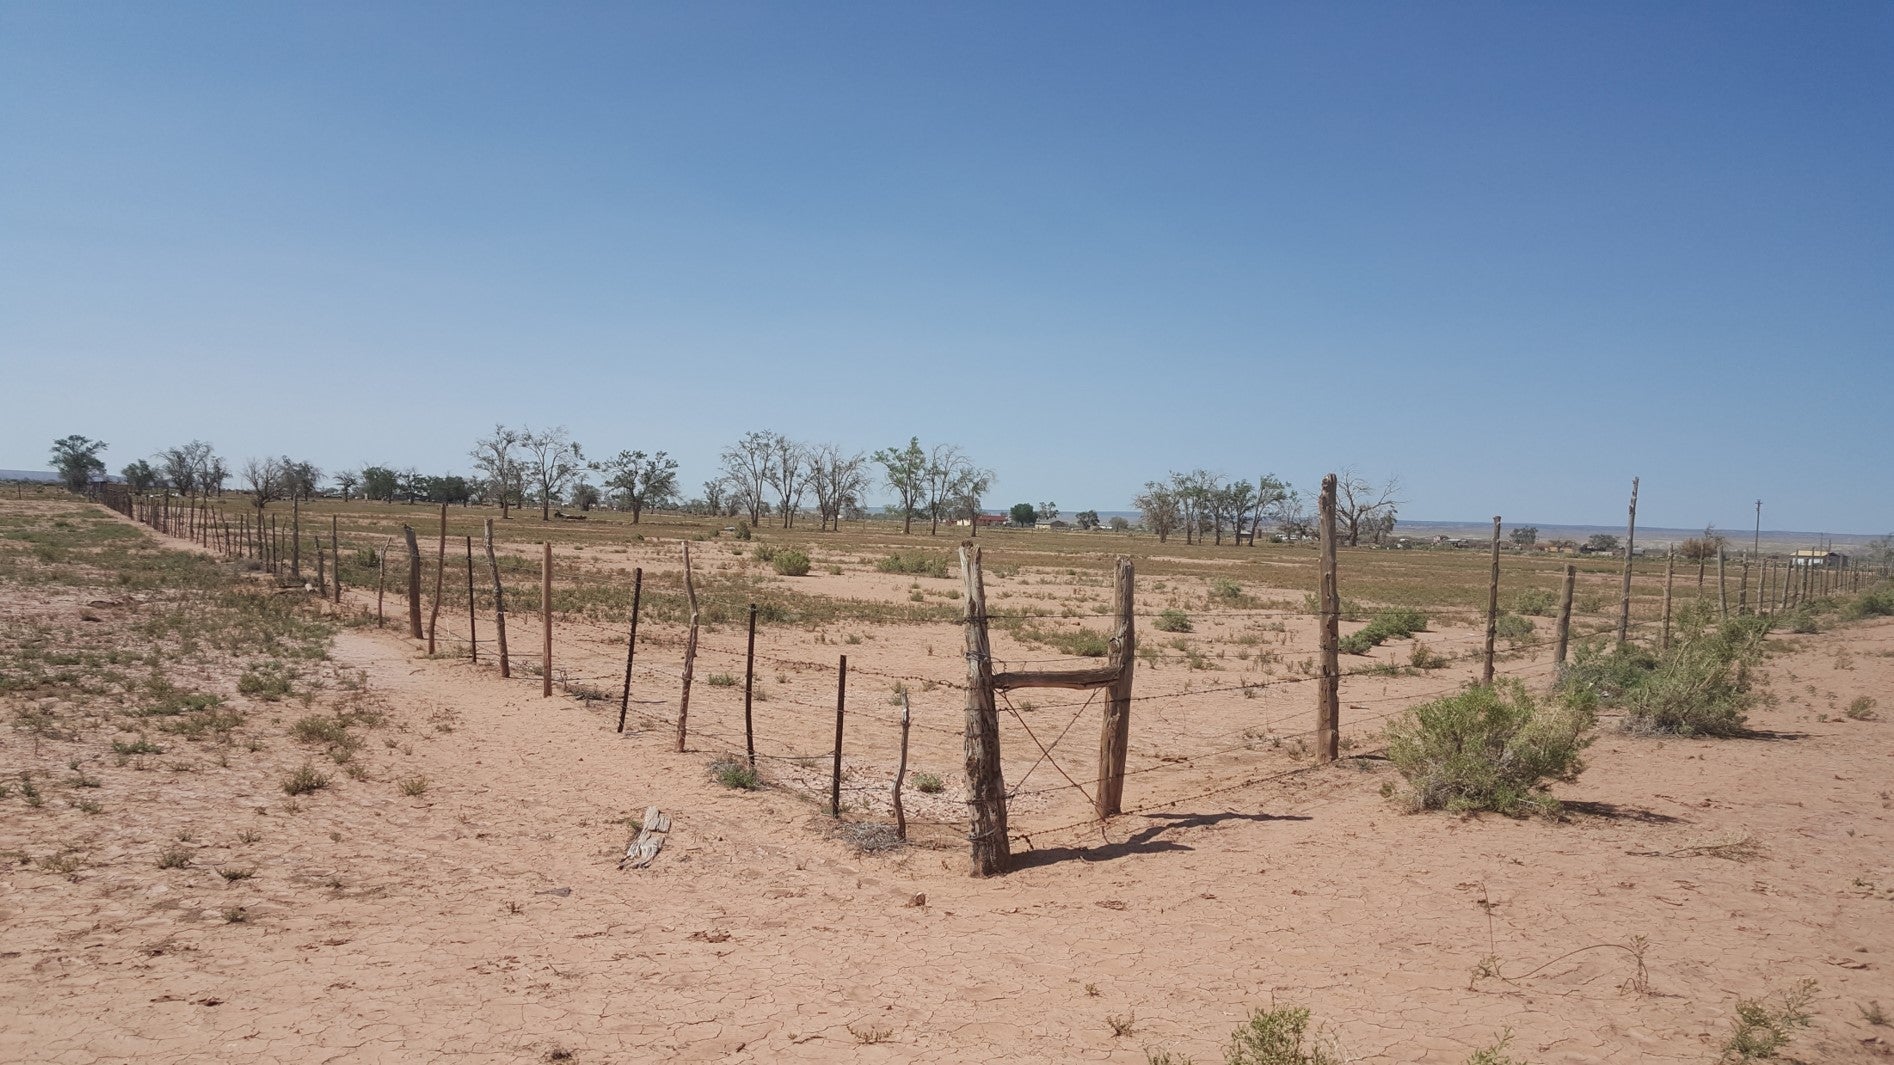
<point x="335" y="544"/>
<point x="296" y="535"/>
<point x="1722" y="587"/>
<point x="1114" y="738"/>
<point x="322" y="571"/>
<point x="841" y="705"/>
<point x="690" y="651"/>
<point x="631" y="645"/>
<point x="1670" y="573"/>
<point x="440" y="574"/>
<point x="986" y="782"/>
<point x="473" y="625"/>
<point x="381" y="581"/>
<point x="1492" y="609"/>
<point x="1742" y="589"/>
<point x="1565" y="614"/>
<point x="1630" y="538"/>
<point x="1328" y="708"/>
<point x="749" y="688"/>
<point x="901" y="771"/>
<point x="545" y="610"/>
<point x="499" y="605"/>
<point x="414" y="582"/>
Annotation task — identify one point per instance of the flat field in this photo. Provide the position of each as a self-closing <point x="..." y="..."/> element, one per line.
<point x="245" y="824"/>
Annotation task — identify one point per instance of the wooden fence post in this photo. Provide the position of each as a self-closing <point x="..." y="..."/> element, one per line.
<point x="986" y="781"/>
<point x="381" y="581"/>
<point x="414" y="582"/>
<point x="690" y="651"/>
<point x="296" y="535"/>
<point x="749" y="688"/>
<point x="473" y="623"/>
<point x="1328" y="709"/>
<point x="499" y="605"/>
<point x="440" y="574"/>
<point x="545" y="610"/>
<point x="1722" y="586"/>
<point x="322" y="571"/>
<point x="841" y="705"/>
<point x="631" y="644"/>
<point x="1565" y="613"/>
<point x="1114" y="737"/>
<point x="1492" y="609"/>
<point x="1630" y="537"/>
<point x="901" y="772"/>
<point x="1670" y="573"/>
<point x="1742" y="589"/>
<point x="335" y="544"/>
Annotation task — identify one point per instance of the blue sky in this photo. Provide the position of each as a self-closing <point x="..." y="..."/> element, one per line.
<point x="1514" y="253"/>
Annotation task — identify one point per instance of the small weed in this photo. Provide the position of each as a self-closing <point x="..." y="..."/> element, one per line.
<point x="236" y="915"/>
<point x="175" y="858"/>
<point x="734" y="774"/>
<point x="928" y="784"/>
<point x="138" y="746"/>
<point x="1172" y="621"/>
<point x="721" y="680"/>
<point x="1278" y="1036"/>
<point x="249" y="835"/>
<point x="267" y="681"/>
<point x="1760" y="1030"/>
<point x="1494" y="1054"/>
<point x="305" y="781"/>
<point x="870" y="1034"/>
<point x="1121" y="1026"/>
<point x="1861" y="709"/>
<point x="414" y="787"/>
<point x="235" y="873"/>
<point x="88" y="806"/>
<point x="1873" y="1014"/>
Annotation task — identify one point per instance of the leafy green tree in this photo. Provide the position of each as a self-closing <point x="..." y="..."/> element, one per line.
<point x="1525" y="535"/>
<point x="496" y="456"/>
<point x="552" y="460"/>
<point x="187" y="467"/>
<point x="300" y="479"/>
<point x="1023" y="514"/>
<point x="585" y="495"/>
<point x="76" y="460"/>
<point x="346" y="480"/>
<point x="1160" y="508"/>
<point x="1601" y="542"/>
<point x="906" y="473"/>
<point x="380" y="483"/>
<point x="1087" y="519"/>
<point x="639" y="481"/>
<point x="1120" y="525"/>
<point x="139" y="477"/>
<point x="748" y="467"/>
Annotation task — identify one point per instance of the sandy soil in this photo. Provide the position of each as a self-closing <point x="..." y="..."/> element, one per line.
<point x="486" y="919"/>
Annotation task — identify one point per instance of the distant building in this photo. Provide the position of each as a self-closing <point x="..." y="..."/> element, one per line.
<point x="1815" y="556"/>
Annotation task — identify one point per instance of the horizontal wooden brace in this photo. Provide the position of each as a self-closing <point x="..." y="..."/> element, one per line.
<point x="1074" y="678"/>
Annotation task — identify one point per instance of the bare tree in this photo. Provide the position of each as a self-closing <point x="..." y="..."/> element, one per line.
<point x="497" y="457"/>
<point x="746" y="469"/>
<point x="552" y="459"/>
<point x="186" y="467"/>
<point x="265" y="478"/>
<point x="346" y="480"/>
<point x="969" y="485"/>
<point x="300" y="478"/>
<point x="788" y="474"/>
<point x="944" y="478"/>
<point x="640" y="481"/>
<point x="1270" y="492"/>
<point x="838" y="479"/>
<point x="1364" y="507"/>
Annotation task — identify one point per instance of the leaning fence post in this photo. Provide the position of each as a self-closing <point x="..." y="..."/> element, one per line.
<point x="414" y="582"/>
<point x="901" y="771"/>
<point x="499" y="605"/>
<point x="841" y="703"/>
<point x="1492" y="608"/>
<point x="1670" y="573"/>
<point x="1565" y="614"/>
<point x="440" y="574"/>
<point x="631" y="645"/>
<point x="1328" y="709"/>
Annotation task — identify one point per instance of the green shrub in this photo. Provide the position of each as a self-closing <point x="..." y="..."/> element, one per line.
<point x="1172" y="621"/>
<point x="266" y="681"/>
<point x="1876" y="603"/>
<point x="743" y="530"/>
<point x="919" y="563"/>
<point x="1694" y="691"/>
<point x="1538" y="602"/>
<point x="1607" y="676"/>
<point x="791" y="563"/>
<point x="1488" y="748"/>
<point x="928" y="784"/>
<point x="1512" y="628"/>
<point x="304" y="781"/>
<point x="1226" y="589"/>
<point x="1760" y="1031"/>
<point x="1394" y="624"/>
<point x="763" y="552"/>
<point x="1278" y="1036"/>
<point x="721" y="680"/>
<point x="734" y="774"/>
<point x="1861" y="709"/>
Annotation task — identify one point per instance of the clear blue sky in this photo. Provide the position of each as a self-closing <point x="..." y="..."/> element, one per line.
<point x="1513" y="252"/>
